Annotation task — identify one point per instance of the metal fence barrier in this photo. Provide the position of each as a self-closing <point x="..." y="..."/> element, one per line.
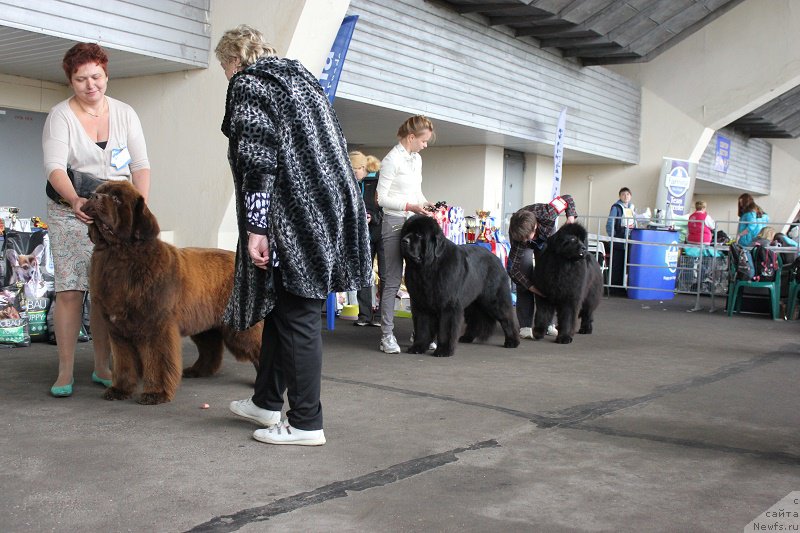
<point x="700" y="269"/>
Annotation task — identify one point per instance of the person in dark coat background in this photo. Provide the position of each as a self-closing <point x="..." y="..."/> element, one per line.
<point x="302" y="227"/>
<point x="366" y="168"/>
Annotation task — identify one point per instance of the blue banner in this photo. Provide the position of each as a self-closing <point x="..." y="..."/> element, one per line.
<point x="722" y="157"/>
<point x="333" y="64"/>
<point x="676" y="184"/>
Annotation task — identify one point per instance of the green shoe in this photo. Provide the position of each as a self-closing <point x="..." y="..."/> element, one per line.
<point x="62" y="392"/>
<point x="96" y="379"/>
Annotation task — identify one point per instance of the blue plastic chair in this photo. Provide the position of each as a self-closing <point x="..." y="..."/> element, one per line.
<point x="735" y="287"/>
<point x="794" y="292"/>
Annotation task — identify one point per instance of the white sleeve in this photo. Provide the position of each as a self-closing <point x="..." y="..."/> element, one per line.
<point x="55" y="143"/>
<point x="421" y="200"/>
<point x="710" y="222"/>
<point x="136" y="145"/>
<point x="385" y="180"/>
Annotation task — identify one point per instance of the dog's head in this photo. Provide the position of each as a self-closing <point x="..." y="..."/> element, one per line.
<point x="422" y="240"/>
<point x="24" y="267"/>
<point x="569" y="242"/>
<point x="120" y="215"/>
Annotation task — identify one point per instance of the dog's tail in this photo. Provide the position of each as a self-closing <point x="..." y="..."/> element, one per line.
<point x="480" y="324"/>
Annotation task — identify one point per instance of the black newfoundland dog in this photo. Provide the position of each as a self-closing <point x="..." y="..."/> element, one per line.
<point x="450" y="283"/>
<point x="572" y="282"/>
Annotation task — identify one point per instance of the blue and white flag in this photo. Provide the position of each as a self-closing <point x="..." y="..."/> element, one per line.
<point x="722" y="155"/>
<point x="558" y="153"/>
<point x="335" y="61"/>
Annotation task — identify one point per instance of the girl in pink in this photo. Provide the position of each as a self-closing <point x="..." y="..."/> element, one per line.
<point x="701" y="225"/>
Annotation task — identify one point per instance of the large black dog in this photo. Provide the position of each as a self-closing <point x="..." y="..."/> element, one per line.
<point x="449" y="284"/>
<point x="572" y="282"/>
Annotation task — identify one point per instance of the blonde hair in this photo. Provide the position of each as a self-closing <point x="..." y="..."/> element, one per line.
<point x="373" y="163"/>
<point x="244" y="43"/>
<point x="416" y="125"/>
<point x="700" y="205"/>
<point x="767" y="233"/>
<point x="358" y="160"/>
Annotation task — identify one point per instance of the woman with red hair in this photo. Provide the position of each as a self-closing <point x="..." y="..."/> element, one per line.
<point x="93" y="134"/>
<point x="751" y="220"/>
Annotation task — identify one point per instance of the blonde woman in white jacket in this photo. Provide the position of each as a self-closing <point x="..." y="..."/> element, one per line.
<point x="400" y="195"/>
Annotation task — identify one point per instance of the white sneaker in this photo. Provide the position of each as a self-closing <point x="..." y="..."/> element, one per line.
<point x="247" y="409"/>
<point x="525" y="333"/>
<point x="552" y="331"/>
<point x="389" y="344"/>
<point x="283" y="433"/>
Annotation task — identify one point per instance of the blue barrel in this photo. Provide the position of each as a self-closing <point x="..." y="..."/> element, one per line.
<point x="651" y="266"/>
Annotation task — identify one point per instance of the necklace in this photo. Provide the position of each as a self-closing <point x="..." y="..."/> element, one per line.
<point x="102" y="109"/>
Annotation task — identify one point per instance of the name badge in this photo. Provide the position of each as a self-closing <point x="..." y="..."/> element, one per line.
<point x="120" y="157"/>
<point x="559" y="204"/>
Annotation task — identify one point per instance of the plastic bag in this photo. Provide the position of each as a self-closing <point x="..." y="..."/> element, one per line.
<point x="28" y="259"/>
<point x="13" y="317"/>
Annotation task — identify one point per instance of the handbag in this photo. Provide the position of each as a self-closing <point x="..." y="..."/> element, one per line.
<point x="84" y="184"/>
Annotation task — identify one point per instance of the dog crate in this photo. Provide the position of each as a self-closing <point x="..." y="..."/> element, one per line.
<point x="714" y="272"/>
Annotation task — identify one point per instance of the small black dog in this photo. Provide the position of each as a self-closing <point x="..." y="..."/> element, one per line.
<point x="572" y="282"/>
<point x="449" y="284"/>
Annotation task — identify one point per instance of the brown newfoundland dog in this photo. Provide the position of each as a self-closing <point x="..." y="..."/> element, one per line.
<point x="150" y="294"/>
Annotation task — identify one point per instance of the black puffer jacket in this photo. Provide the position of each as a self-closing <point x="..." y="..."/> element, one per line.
<point x="285" y="140"/>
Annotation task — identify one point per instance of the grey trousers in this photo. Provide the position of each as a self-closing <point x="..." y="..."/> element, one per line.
<point x="390" y="268"/>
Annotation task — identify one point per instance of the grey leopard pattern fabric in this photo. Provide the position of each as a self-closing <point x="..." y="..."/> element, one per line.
<point x="284" y="140"/>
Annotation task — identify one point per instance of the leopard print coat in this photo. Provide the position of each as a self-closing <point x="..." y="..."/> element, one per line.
<point x="284" y="140"/>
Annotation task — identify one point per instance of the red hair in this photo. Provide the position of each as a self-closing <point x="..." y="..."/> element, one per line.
<point x="83" y="53"/>
<point x="747" y="204"/>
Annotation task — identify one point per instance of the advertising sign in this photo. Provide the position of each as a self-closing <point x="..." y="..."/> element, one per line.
<point x="335" y="61"/>
<point x="722" y="155"/>
<point x="676" y="183"/>
<point x="558" y="153"/>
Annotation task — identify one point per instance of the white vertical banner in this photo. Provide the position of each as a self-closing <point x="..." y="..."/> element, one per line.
<point x="558" y="153"/>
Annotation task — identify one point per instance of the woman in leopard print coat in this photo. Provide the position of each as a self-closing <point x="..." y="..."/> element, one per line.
<point x="285" y="141"/>
<point x="302" y="225"/>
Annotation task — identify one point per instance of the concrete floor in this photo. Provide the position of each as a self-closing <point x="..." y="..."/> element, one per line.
<point x="663" y="420"/>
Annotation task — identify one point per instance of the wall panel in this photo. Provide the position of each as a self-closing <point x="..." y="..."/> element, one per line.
<point x="417" y="55"/>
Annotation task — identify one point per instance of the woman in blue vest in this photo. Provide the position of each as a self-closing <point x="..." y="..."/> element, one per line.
<point x="620" y="222"/>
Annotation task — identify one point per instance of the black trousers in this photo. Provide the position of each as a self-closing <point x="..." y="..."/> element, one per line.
<point x="618" y="262"/>
<point x="526" y="302"/>
<point x="291" y="358"/>
<point x="364" y="294"/>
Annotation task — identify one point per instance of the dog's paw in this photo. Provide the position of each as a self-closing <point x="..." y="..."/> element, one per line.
<point x="417" y="348"/>
<point x="511" y="343"/>
<point x="440" y="352"/>
<point x="585" y="330"/>
<point x="113" y="393"/>
<point x="152" y="398"/>
<point x="563" y="339"/>
<point x="192" y="372"/>
<point x="466" y="338"/>
<point x="538" y="334"/>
